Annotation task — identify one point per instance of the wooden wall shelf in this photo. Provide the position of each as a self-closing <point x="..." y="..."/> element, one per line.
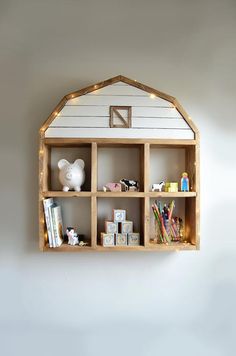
<point x="147" y="156"/>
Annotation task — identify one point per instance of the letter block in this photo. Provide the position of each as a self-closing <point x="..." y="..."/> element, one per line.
<point x="134" y="239"/>
<point x="126" y="227"/>
<point x="119" y="215"/>
<point x="121" y="239"/>
<point x="111" y="227"/>
<point x="107" y="240"/>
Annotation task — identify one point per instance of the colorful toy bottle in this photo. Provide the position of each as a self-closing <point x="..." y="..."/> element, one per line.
<point x="184" y="182"/>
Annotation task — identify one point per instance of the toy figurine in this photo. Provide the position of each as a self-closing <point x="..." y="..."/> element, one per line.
<point x="130" y="184"/>
<point x="72" y="236"/>
<point x="71" y="176"/>
<point x="82" y="243"/>
<point x="184" y="182"/>
<point x="113" y="187"/>
<point x="158" y="186"/>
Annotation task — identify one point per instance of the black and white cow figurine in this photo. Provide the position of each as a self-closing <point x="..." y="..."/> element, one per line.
<point x="130" y="184"/>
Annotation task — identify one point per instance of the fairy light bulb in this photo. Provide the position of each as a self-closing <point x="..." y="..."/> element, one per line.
<point x="152" y="96"/>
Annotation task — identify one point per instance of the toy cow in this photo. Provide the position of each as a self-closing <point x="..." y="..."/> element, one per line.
<point x="72" y="236"/>
<point x="158" y="186"/>
<point x="130" y="184"/>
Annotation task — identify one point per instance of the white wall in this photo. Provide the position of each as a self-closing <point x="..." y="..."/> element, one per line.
<point x="117" y="303"/>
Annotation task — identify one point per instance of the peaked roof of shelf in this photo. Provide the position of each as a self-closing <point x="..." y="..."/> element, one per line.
<point x="118" y="78"/>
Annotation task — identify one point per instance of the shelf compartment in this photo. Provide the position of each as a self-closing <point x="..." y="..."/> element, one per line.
<point x="168" y="164"/>
<point x="134" y="212"/>
<point x="181" y="210"/>
<point x="75" y="213"/>
<point x="117" y="162"/>
<point x="70" y="154"/>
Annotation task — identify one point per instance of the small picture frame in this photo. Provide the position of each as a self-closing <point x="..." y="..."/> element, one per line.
<point x="121" y="239"/>
<point x="119" y="215"/>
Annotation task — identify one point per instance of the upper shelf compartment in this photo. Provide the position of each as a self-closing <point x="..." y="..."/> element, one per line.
<point x="70" y="154"/>
<point x="87" y="113"/>
<point x="117" y="162"/>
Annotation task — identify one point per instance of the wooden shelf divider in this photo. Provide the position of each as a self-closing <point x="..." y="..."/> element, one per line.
<point x="146" y="178"/>
<point x="94" y="174"/>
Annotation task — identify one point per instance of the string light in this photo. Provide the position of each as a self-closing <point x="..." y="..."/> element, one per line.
<point x="72" y="96"/>
<point x="152" y="96"/>
<point x="95" y="86"/>
<point x="41" y="152"/>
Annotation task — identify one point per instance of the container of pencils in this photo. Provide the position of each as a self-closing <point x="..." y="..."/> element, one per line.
<point x="167" y="228"/>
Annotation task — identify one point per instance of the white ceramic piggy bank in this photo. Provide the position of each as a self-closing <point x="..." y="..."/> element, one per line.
<point x="71" y="175"/>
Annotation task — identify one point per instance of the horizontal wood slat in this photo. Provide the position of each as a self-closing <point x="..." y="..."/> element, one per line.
<point x="118" y="100"/>
<point x="71" y="121"/>
<point x="120" y="133"/>
<point x="141" y="111"/>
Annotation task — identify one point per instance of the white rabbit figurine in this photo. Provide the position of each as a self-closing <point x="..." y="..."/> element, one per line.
<point x="71" y="175"/>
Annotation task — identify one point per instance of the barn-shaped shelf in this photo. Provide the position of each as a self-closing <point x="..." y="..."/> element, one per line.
<point x="121" y="129"/>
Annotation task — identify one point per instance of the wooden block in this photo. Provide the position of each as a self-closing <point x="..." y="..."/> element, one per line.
<point x="107" y="239"/>
<point x="126" y="227"/>
<point x="171" y="187"/>
<point x="111" y="227"/>
<point x="134" y="239"/>
<point x="121" y="239"/>
<point x="119" y="215"/>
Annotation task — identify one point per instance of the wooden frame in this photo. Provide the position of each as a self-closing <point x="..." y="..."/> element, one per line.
<point x="192" y="198"/>
<point x="114" y="111"/>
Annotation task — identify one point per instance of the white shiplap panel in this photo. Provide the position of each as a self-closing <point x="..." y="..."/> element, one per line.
<point x="120" y="100"/>
<point x="73" y="121"/>
<point x="121" y="90"/>
<point x="155" y="112"/>
<point x="160" y="123"/>
<point x="149" y="122"/>
<point x="104" y="111"/>
<point x="119" y="133"/>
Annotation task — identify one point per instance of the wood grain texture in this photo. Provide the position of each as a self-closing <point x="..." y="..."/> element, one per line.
<point x="93" y="221"/>
<point x="108" y="142"/>
<point x="150" y="248"/>
<point x="94" y="167"/>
